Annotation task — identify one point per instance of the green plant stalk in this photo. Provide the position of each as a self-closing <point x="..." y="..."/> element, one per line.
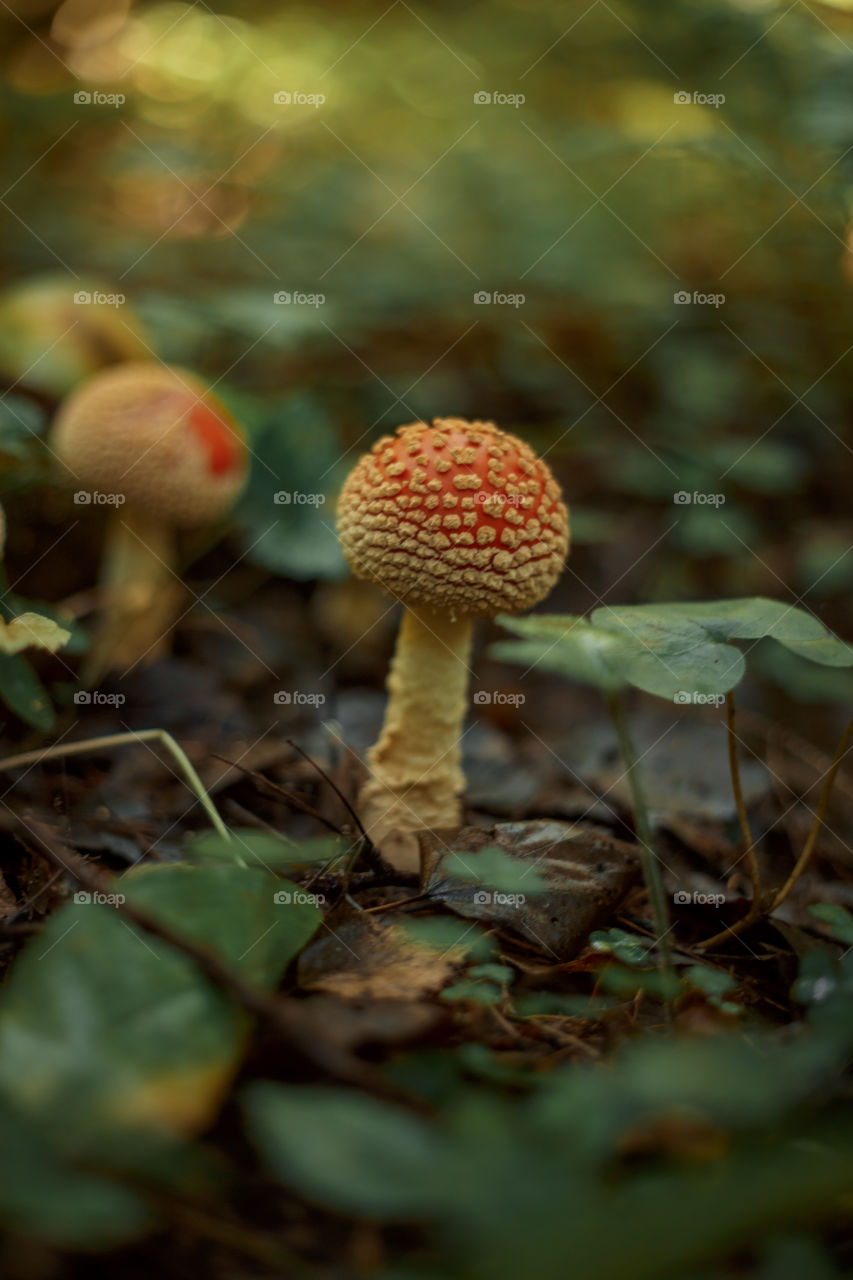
<point x="642" y="826"/>
<point x="740" y="804"/>
<point x="165" y="739"/>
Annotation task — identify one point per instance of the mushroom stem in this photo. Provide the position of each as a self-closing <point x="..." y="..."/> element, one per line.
<point x="140" y="593"/>
<point x="416" y="778"/>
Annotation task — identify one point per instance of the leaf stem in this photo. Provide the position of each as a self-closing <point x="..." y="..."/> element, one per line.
<point x="756" y="911"/>
<point x="642" y="825"/>
<point x="734" y="769"/>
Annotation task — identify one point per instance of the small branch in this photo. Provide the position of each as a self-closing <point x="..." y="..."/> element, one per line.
<point x="92" y="745"/>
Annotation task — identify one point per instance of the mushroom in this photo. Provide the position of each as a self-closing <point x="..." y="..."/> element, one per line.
<point x="457" y="520"/>
<point x="152" y="444"/>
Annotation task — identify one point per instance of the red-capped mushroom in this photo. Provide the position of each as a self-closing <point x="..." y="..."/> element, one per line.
<point x="155" y="446"/>
<point x="457" y="520"/>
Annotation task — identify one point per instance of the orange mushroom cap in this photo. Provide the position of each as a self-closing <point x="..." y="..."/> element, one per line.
<point x="460" y="515"/>
<point x="156" y="435"/>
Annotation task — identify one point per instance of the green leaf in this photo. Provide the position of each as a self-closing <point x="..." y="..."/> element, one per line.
<point x="346" y="1150"/>
<point x="262" y="849"/>
<point x="553" y="1004"/>
<point x="714" y="982"/>
<point x="756" y="617"/>
<point x="236" y="911"/>
<point x="103" y="1023"/>
<point x="45" y="1196"/>
<point x="627" y="947"/>
<point x="571" y="646"/>
<point x="495" y="972"/>
<point x="838" y="918"/>
<point x="497" y="869"/>
<point x="677" y="651"/>
<point x="23" y="692"/>
<point x="296" y="466"/>
<point x="475" y="992"/>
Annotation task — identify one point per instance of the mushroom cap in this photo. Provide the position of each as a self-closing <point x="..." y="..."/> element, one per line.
<point x="459" y="515"/>
<point x="155" y="434"/>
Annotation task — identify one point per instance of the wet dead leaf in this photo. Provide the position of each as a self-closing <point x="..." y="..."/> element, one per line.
<point x="587" y="873"/>
<point x="366" y="957"/>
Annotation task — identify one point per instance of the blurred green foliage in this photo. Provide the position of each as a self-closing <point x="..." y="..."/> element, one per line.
<point x="600" y="198"/>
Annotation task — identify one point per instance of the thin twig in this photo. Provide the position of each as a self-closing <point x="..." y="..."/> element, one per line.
<point x="283" y="793"/>
<point x="92" y="745"/>
<point x="343" y="799"/>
